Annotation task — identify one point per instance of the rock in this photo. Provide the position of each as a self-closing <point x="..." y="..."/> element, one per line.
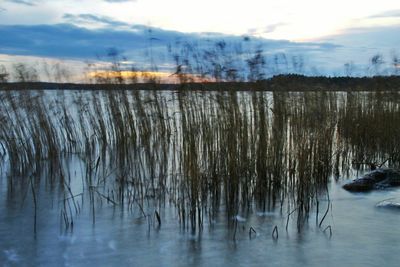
<point x="393" y="203"/>
<point x="378" y="179"/>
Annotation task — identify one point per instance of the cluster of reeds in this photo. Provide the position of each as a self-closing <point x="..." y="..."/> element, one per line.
<point x="234" y="152"/>
<point x="368" y="129"/>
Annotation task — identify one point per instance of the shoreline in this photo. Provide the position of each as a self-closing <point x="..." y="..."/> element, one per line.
<point x="295" y="83"/>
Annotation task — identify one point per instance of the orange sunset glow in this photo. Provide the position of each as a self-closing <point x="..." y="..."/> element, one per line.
<point x="146" y="76"/>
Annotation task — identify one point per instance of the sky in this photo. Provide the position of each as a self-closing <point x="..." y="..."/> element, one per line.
<point x="325" y="34"/>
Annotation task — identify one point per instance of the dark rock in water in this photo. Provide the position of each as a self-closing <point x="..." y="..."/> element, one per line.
<point x="377" y="179"/>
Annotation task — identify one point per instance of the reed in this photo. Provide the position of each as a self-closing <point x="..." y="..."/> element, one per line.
<point x="202" y="152"/>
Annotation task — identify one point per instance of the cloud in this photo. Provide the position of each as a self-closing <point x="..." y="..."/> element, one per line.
<point x="69" y="41"/>
<point x="137" y="43"/>
<point x="267" y="29"/>
<point x="65" y="40"/>
<point x="378" y="37"/>
<point x="2" y="9"/>
<point x="358" y="45"/>
<point x="91" y="19"/>
<point x="387" y="14"/>
<point x="119" y="1"/>
<point x="273" y="27"/>
<point x="23" y="2"/>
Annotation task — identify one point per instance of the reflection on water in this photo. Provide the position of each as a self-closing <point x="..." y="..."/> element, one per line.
<point x="178" y="178"/>
<point x="362" y="235"/>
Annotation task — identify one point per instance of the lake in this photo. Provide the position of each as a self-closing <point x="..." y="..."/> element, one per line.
<point x="178" y="178"/>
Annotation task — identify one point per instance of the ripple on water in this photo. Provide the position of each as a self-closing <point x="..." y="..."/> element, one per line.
<point x="11" y="255"/>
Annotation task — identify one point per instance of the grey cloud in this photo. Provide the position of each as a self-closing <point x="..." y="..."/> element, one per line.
<point x="267" y="29"/>
<point x="23" y="2"/>
<point x="273" y="27"/>
<point x="360" y="44"/>
<point x="94" y="19"/>
<point x="73" y="42"/>
<point x="119" y="1"/>
<point x="387" y="14"/>
<point x="68" y="40"/>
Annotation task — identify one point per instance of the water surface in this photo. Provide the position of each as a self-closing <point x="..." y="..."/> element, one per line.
<point x="96" y="170"/>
